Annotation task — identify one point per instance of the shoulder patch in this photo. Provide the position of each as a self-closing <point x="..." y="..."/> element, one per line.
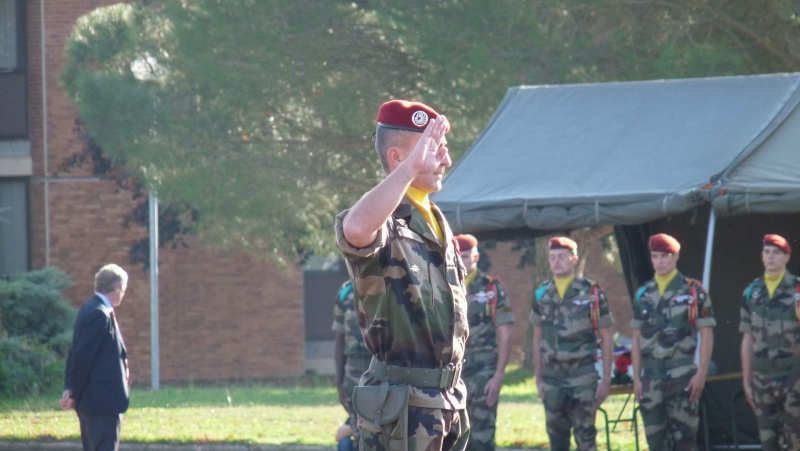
<point x="541" y="290"/>
<point x="639" y="294"/>
<point x="748" y="292"/>
<point x="345" y="291"/>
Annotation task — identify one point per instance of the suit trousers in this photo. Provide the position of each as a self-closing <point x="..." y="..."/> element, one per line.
<point x="100" y="432"/>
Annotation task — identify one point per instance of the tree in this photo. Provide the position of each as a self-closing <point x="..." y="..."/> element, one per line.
<point x="258" y="114"/>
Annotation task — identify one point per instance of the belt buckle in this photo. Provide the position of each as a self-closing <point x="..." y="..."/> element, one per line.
<point x="450" y="375"/>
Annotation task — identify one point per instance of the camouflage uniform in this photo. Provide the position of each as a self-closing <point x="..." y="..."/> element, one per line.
<point x="412" y="311"/>
<point x="668" y="342"/>
<point x="488" y="307"/>
<point x="774" y="326"/>
<point x="357" y="356"/>
<point x="569" y="352"/>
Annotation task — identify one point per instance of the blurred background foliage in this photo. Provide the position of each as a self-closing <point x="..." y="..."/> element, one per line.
<point x="256" y="117"/>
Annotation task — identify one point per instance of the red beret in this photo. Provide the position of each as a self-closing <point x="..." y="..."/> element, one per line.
<point x="562" y="242"/>
<point x="664" y="243"/>
<point x="466" y="242"/>
<point x="405" y="115"/>
<point x="779" y="242"/>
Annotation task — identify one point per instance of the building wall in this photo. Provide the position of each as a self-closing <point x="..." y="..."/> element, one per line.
<point x="222" y="315"/>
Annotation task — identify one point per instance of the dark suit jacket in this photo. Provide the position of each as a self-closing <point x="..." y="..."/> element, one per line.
<point x="96" y="365"/>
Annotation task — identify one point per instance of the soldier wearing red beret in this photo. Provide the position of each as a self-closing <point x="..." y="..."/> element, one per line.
<point x="488" y="347"/>
<point x="770" y="324"/>
<point x="669" y="311"/>
<point x="409" y="290"/>
<point x="569" y="314"/>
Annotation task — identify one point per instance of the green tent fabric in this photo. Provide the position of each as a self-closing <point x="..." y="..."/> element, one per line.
<point x="565" y="156"/>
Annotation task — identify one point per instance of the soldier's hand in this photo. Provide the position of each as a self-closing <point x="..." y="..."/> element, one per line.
<point x="344" y="400"/>
<point x="748" y="393"/>
<point x="539" y="388"/>
<point x="492" y="389"/>
<point x="695" y="387"/>
<point x="637" y="389"/>
<point x="602" y="391"/>
<point x="429" y="153"/>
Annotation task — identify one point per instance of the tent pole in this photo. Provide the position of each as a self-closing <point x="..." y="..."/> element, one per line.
<point x="712" y="222"/>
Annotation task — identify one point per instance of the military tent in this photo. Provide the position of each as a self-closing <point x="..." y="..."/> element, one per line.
<point x="712" y="161"/>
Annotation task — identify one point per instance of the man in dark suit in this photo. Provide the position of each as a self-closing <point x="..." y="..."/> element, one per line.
<point x="96" y="374"/>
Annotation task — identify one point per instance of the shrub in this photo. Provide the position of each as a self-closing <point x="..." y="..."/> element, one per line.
<point x="37" y="332"/>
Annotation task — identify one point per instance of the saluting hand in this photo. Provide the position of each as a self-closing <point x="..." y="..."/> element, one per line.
<point x="431" y="151"/>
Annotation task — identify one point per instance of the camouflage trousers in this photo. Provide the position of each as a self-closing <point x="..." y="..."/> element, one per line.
<point x="428" y="429"/>
<point x="777" y="401"/>
<point x="570" y="408"/>
<point x="670" y="420"/>
<point x="353" y="370"/>
<point x="482" y="418"/>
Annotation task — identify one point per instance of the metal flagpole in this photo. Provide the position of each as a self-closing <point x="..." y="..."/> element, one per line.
<point x="154" y="351"/>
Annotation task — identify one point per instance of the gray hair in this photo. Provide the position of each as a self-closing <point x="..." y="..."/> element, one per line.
<point x="386" y="138"/>
<point x="107" y="278"/>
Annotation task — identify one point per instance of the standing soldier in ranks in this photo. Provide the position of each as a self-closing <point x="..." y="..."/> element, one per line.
<point x="770" y="322"/>
<point x="569" y="315"/>
<point x="668" y="313"/>
<point x="409" y="291"/>
<point x="488" y="347"/>
<point x="350" y="354"/>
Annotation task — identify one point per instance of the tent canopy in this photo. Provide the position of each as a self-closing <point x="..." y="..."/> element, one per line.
<point x="562" y="157"/>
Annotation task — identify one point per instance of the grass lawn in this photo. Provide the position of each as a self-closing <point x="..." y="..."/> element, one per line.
<point x="305" y="413"/>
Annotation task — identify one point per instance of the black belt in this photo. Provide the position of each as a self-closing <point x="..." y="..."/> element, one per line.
<point x="446" y="377"/>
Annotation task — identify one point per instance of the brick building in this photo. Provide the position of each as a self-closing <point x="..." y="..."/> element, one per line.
<point x="222" y="315"/>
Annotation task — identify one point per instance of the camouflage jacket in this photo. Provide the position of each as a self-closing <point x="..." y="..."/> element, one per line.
<point x="345" y="322"/>
<point x="410" y="299"/>
<point x="568" y="337"/>
<point x="487" y="307"/>
<point x="773" y="324"/>
<point x="666" y="332"/>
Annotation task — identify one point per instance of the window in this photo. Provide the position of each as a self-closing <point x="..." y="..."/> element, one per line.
<point x="13" y="226"/>
<point x="9" y="35"/>
<point x="13" y="106"/>
<point x="11" y="21"/>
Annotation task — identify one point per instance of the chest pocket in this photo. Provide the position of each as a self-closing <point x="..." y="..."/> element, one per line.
<point x="478" y="308"/>
<point x="579" y="317"/>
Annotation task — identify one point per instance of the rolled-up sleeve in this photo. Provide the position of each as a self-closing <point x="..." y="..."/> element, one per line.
<point x="354" y="253"/>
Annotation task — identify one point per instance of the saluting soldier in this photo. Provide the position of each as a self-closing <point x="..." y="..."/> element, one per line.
<point x="491" y="322"/>
<point x="770" y="316"/>
<point x="668" y="313"/>
<point x="409" y="290"/>
<point x="569" y="314"/>
<point x="351" y="355"/>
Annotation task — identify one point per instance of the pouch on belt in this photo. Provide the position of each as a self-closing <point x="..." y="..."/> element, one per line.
<point x="384" y="404"/>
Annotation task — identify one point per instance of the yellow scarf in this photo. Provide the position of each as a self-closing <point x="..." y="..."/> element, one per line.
<point x="772" y="282"/>
<point x="664" y="281"/>
<point x="562" y="284"/>
<point x="470" y="277"/>
<point x="419" y="199"/>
